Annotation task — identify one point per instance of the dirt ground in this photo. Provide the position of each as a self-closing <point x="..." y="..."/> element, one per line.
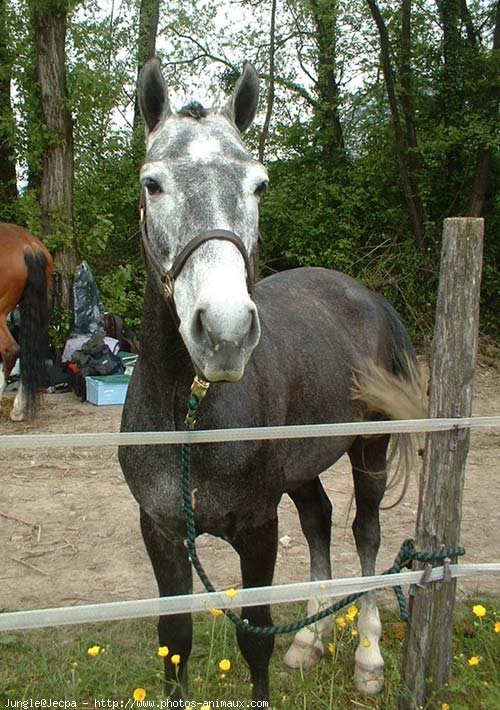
<point x="69" y="527"/>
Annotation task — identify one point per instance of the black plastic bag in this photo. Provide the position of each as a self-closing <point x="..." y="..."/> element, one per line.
<point x="87" y="305"/>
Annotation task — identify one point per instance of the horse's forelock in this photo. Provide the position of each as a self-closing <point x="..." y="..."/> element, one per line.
<point x="193" y="110"/>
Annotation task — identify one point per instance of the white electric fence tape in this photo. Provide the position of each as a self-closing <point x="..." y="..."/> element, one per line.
<point x="300" y="431"/>
<point x="279" y="594"/>
<point x="39" y="618"/>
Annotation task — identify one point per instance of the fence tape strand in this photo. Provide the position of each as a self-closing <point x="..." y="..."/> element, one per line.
<point x="279" y="594"/>
<point x="299" y="431"/>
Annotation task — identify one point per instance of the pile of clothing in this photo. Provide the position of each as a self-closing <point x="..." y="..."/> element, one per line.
<point x="101" y="343"/>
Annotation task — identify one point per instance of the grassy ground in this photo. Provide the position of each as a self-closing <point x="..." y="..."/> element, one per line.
<point x="55" y="664"/>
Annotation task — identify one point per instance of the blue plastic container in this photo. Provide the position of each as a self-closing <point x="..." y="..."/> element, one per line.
<point x="111" y="389"/>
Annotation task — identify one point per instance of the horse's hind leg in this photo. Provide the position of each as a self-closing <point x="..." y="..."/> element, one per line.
<point x="315" y="512"/>
<point x="368" y="459"/>
<point x="173" y="574"/>
<point x="257" y="550"/>
<point x="9" y="350"/>
<point x="19" y="406"/>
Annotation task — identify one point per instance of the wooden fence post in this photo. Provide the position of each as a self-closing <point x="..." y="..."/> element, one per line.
<point x="428" y="650"/>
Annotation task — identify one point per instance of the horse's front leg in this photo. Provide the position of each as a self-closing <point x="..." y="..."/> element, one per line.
<point x="172" y="569"/>
<point x="315" y="512"/>
<point x="257" y="550"/>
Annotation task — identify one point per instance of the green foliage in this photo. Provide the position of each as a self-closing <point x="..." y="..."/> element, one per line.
<point x="61" y="230"/>
<point x="339" y="209"/>
<point x="29" y="211"/>
<point x="122" y="291"/>
<point x="60" y="327"/>
<point x="490" y="284"/>
<point x="351" y="220"/>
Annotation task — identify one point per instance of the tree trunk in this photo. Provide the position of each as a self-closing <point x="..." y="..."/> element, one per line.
<point x="452" y="96"/>
<point x="149" y="15"/>
<point x="489" y="106"/>
<point x="56" y="188"/>
<point x="480" y="183"/>
<point x="409" y="181"/>
<point x="270" y="92"/>
<point x="452" y="99"/>
<point x="406" y="88"/>
<point x="327" y="112"/>
<point x="8" y="186"/>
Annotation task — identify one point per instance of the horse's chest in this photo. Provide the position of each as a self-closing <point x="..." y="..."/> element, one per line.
<point x="227" y="489"/>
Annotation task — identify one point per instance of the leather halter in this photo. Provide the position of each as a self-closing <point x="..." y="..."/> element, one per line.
<point x="167" y="277"/>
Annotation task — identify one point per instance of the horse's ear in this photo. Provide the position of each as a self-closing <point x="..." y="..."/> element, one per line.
<point x="242" y="106"/>
<point x="152" y="94"/>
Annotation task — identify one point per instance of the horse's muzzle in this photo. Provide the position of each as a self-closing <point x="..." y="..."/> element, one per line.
<point x="227" y="340"/>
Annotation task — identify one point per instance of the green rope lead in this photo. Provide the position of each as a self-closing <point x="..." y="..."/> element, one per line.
<point x="404" y="558"/>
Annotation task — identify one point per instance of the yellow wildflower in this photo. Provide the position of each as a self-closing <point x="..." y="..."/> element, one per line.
<point x="445" y="706"/>
<point x="354" y="632"/>
<point x="232" y="592"/>
<point x="225" y="665"/>
<point x="139" y="695"/>
<point x="366" y="643"/>
<point x="352" y="612"/>
<point x="162" y="651"/>
<point x="474" y="661"/>
<point x="479" y="610"/>
<point x="497" y="627"/>
<point x="93" y="651"/>
<point x="341" y="622"/>
<point x="331" y="648"/>
<point x="175" y="659"/>
<point x="205" y="707"/>
<point x="216" y="612"/>
<point x="75" y="664"/>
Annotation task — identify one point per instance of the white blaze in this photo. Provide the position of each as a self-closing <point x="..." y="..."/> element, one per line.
<point x="204" y="149"/>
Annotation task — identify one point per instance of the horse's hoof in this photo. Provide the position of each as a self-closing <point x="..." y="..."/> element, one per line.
<point x="17" y="416"/>
<point x="303" y="655"/>
<point x="369" y="681"/>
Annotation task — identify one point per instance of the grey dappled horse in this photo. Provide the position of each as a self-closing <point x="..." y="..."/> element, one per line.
<point x="284" y="354"/>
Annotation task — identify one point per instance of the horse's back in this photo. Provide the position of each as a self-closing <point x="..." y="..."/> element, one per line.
<point x="15" y="243"/>
<point x="316" y="285"/>
<point x="323" y="314"/>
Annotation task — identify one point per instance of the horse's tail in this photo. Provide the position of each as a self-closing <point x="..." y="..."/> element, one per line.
<point x="397" y="394"/>
<point x="33" y="336"/>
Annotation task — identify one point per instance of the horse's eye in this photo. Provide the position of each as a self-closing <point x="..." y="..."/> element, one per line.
<point x="261" y="187"/>
<point x="152" y="186"/>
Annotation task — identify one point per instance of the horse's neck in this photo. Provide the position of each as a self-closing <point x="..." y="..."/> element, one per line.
<point x="162" y="349"/>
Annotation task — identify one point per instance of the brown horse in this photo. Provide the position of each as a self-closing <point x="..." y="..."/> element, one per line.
<point x="25" y="273"/>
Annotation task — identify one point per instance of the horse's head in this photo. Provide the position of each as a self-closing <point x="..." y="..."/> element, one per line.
<point x="201" y="192"/>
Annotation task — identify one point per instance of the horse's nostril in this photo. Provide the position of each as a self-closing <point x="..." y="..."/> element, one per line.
<point x="253" y="333"/>
<point x="219" y="327"/>
<point x="199" y="329"/>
